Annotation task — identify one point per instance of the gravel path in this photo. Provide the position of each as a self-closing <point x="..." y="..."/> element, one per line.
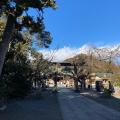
<point x="111" y="102"/>
<point x="48" y="108"/>
<point x="31" y="109"/>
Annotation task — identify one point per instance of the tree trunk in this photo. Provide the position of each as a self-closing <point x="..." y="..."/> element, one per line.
<point x="55" y="83"/>
<point x="75" y="78"/>
<point x="7" y="35"/>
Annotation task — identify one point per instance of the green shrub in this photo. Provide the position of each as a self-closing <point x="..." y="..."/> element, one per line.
<point x="115" y="79"/>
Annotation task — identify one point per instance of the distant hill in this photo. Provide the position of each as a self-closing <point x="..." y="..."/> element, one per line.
<point x="93" y="64"/>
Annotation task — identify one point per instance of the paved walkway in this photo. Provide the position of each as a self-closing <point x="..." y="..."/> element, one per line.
<point x="65" y="105"/>
<point x="77" y="107"/>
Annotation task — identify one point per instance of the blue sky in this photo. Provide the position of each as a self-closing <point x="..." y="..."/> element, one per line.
<point x="79" y="22"/>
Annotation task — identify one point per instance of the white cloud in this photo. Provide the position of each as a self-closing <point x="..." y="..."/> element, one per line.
<point x="62" y="53"/>
<point x="66" y="52"/>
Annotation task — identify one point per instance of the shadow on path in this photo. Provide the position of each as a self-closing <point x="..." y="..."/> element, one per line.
<point x="110" y="101"/>
<point x="77" y="107"/>
<point x="32" y="109"/>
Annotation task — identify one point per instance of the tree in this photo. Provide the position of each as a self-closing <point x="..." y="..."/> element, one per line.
<point x="2" y="26"/>
<point x="16" y="72"/>
<point x="18" y="21"/>
<point x="108" y="57"/>
<point x="102" y="59"/>
<point x="40" y="68"/>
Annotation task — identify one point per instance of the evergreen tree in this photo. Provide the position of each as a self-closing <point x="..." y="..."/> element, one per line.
<point x="17" y="71"/>
<point x="16" y="20"/>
